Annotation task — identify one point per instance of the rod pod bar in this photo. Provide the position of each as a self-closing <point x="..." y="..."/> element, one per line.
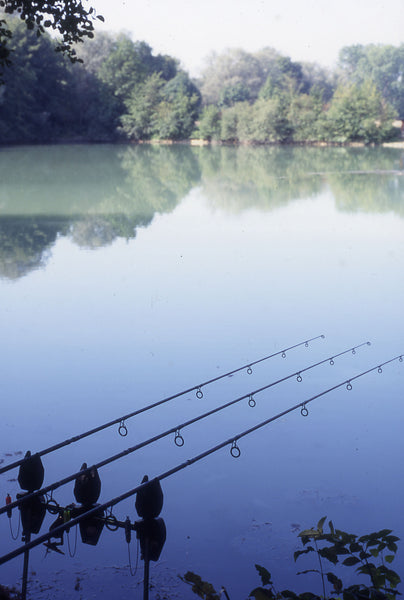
<point x="121" y="420"/>
<point x="230" y="441"/>
<point x="178" y="440"/>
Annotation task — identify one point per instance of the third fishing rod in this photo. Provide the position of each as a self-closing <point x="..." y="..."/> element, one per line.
<point x="178" y="439"/>
<point x="121" y="420"/>
<point x="234" y="451"/>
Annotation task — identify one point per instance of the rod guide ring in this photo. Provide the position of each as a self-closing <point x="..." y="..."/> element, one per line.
<point x="178" y="439"/>
<point x="52" y="506"/>
<point x="122" y="429"/>
<point x="111" y="523"/>
<point x="199" y="393"/>
<point x="235" y="450"/>
<point x="251" y="401"/>
<point x="304" y="411"/>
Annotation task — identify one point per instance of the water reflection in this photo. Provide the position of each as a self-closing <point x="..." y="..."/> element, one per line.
<point x="368" y="179"/>
<point x="96" y="194"/>
<point x="93" y="194"/>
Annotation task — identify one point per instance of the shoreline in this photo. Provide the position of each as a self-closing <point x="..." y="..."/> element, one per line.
<point x="399" y="144"/>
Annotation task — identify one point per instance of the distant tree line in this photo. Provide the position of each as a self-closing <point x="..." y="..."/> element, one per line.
<point x="122" y="91"/>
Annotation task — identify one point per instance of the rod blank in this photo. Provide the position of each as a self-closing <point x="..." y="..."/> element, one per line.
<point x="120" y="420"/>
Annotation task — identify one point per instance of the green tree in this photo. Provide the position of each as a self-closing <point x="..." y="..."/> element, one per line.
<point x="383" y="65"/>
<point x="32" y="97"/>
<point x="69" y="18"/>
<point x="303" y="116"/>
<point x="359" y="114"/>
<point x="234" y="93"/>
<point x="234" y="69"/>
<point x="138" y="121"/>
<point x="163" y="110"/>
<point x="209" y="123"/>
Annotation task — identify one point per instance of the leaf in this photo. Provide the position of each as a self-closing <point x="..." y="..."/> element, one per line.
<point x="300" y="552"/>
<point x="392" y="546"/>
<point x="329" y="554"/>
<point x="320" y="524"/>
<point x="374" y="552"/>
<point x="101" y="18"/>
<point x="384" y="532"/>
<point x="331" y="526"/>
<point x="350" y="561"/>
<point x="261" y="593"/>
<point x="355" y="547"/>
<point x="340" y="549"/>
<point x="337" y="583"/>
<point x="308" y="571"/>
<point x="309" y="533"/>
<point x="393" y="577"/>
<point x="389" y="558"/>
<point x="264" y="574"/>
<point x="288" y="594"/>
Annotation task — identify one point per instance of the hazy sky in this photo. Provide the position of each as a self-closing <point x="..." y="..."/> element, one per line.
<point x="308" y="30"/>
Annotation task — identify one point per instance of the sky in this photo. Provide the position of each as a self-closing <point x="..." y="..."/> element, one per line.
<point x="305" y="30"/>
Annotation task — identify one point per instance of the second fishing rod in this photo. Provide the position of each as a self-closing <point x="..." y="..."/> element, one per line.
<point x="178" y="439"/>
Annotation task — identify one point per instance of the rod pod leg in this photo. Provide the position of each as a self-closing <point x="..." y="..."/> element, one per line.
<point x="25" y="569"/>
<point x="146" y="571"/>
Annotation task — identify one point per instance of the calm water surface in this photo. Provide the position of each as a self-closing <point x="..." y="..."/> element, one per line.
<point x="128" y="274"/>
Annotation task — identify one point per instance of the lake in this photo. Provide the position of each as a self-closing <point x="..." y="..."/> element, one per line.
<point x="131" y="273"/>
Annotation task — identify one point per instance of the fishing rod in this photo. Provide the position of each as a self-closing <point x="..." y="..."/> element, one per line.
<point x="122" y="430"/>
<point x="234" y="451"/>
<point x="178" y="439"/>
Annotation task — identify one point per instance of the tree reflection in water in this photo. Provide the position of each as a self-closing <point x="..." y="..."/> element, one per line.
<point x="96" y="194"/>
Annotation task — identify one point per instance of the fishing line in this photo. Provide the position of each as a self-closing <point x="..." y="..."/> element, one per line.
<point x="122" y="429"/>
<point x="178" y="439"/>
<point x="230" y="441"/>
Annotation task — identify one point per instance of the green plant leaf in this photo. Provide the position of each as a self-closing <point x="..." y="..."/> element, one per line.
<point x="261" y="593"/>
<point x="392" y="546"/>
<point x="383" y="532"/>
<point x="309" y="533"/>
<point x="288" y="594"/>
<point x="389" y="558"/>
<point x="355" y="547"/>
<point x="351" y="561"/>
<point x="337" y="583"/>
<point x="264" y="574"/>
<point x="392" y="538"/>
<point x="329" y="553"/>
<point x="320" y="524"/>
<point x="300" y="552"/>
<point x="392" y="577"/>
<point x="308" y="571"/>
